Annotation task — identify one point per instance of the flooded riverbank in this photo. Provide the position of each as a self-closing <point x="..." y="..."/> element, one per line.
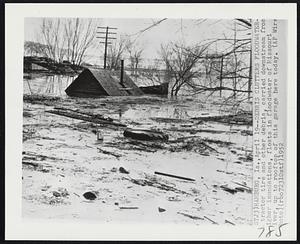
<point x="62" y="159"/>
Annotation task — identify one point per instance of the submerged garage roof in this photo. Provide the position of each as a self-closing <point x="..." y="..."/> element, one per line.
<point x="101" y="82"/>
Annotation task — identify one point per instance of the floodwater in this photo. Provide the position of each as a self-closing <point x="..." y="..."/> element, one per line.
<point x="50" y="85"/>
<point x="62" y="160"/>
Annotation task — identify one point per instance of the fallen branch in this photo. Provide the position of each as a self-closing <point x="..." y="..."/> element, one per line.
<point x="240" y="119"/>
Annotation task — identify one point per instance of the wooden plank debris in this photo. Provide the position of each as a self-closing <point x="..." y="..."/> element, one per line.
<point x="147" y="135"/>
<point x="228" y="222"/>
<point x="174" y="176"/>
<point x="238" y="119"/>
<point x="85" y="117"/>
<point x="109" y="153"/>
<point x="214" y="222"/>
<point x="190" y="216"/>
<point x="128" y="207"/>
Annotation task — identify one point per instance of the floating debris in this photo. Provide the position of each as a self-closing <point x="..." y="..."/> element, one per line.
<point x="90" y="195"/>
<point x="123" y="171"/>
<point x="128" y="207"/>
<point x="230" y="190"/>
<point x="174" y="176"/>
<point x="161" y="209"/>
<point x="109" y="153"/>
<point x="56" y="194"/>
<point x="94" y="118"/>
<point x="147" y="135"/>
<point x="214" y="222"/>
<point x="228" y="222"/>
<point x="190" y="216"/>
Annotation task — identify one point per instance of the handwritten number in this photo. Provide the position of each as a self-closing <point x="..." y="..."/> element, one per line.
<point x="270" y="231"/>
<point x="263" y="229"/>
<point x="279" y="228"/>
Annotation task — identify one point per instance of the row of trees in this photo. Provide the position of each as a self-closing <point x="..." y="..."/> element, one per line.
<point x="63" y="39"/>
<point x="202" y="67"/>
<point x="213" y="65"/>
<point x="69" y="39"/>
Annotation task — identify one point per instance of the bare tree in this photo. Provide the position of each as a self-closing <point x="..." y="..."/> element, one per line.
<point x="33" y="48"/>
<point x="116" y="52"/>
<point x="153" y="74"/>
<point x="182" y="64"/>
<point x="231" y="63"/>
<point x="49" y="36"/>
<point x="67" y="38"/>
<point x="79" y="35"/>
<point x="135" y="53"/>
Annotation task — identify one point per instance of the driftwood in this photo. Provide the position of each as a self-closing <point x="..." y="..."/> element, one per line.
<point x="109" y="153"/>
<point x="242" y="187"/>
<point x="174" y="176"/>
<point x="194" y="130"/>
<point x="230" y="190"/>
<point x="190" y="141"/>
<point x="146" y="145"/>
<point x="86" y="117"/>
<point x="214" y="222"/>
<point x="98" y="116"/>
<point x="147" y="135"/>
<point x="238" y="119"/>
<point x="154" y="183"/>
<point x="168" y="120"/>
<point x="229" y="222"/>
<point x="190" y="216"/>
<point x="128" y="207"/>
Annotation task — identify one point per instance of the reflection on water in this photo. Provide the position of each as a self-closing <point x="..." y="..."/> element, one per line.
<point x="51" y="85"/>
<point x="174" y="111"/>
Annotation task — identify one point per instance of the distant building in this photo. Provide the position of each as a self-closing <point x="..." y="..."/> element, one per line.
<point x="101" y="82"/>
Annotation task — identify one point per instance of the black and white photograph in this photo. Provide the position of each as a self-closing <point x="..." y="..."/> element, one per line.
<point x="138" y="120"/>
<point x="150" y="121"/>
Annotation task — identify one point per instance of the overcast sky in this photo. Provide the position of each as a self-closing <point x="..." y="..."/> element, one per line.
<point x="189" y="31"/>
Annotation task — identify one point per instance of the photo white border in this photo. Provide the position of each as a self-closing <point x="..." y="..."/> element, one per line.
<point x="17" y="228"/>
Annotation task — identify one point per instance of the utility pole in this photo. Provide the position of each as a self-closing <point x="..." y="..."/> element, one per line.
<point x="106" y="38"/>
<point x="122" y="71"/>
